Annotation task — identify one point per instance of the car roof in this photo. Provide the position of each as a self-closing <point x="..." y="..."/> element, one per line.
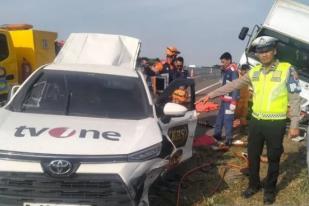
<point x="90" y="68"/>
<point x="99" y="49"/>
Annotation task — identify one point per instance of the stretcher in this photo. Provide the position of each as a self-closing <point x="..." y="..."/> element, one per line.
<point x="206" y="106"/>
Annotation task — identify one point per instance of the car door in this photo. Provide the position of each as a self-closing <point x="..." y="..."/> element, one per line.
<point x="179" y="130"/>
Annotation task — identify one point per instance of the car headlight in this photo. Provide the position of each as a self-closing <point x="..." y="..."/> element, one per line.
<point x="146" y="154"/>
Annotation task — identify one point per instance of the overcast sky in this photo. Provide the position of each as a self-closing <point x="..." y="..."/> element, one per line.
<point x="201" y="29"/>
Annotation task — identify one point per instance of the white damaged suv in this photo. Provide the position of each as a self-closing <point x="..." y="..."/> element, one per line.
<point x="85" y="130"/>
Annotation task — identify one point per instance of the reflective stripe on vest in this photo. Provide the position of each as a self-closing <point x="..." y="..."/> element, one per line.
<point x="270" y="94"/>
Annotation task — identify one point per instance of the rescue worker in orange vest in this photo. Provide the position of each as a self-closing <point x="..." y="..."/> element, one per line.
<point x="275" y="85"/>
<point x="168" y="65"/>
<point x="241" y="111"/>
<point x="166" y="69"/>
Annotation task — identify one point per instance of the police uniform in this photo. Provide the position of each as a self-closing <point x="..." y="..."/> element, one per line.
<point x="274" y="89"/>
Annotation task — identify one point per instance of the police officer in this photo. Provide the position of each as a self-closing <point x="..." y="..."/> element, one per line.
<point x="275" y="86"/>
<point x="225" y="116"/>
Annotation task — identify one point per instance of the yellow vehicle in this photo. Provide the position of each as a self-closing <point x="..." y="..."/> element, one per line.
<point x="23" y="49"/>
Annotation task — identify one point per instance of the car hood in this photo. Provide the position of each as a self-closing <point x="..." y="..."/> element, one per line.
<point x="68" y="135"/>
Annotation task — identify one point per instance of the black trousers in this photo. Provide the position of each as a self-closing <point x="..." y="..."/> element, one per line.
<point x="271" y="132"/>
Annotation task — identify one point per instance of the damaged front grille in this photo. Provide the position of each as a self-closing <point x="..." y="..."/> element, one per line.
<point x="86" y="189"/>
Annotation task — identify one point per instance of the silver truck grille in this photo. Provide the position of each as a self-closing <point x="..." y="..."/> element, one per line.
<point x="94" y="190"/>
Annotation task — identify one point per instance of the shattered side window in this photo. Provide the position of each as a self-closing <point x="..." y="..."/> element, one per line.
<point x="35" y="96"/>
<point x="47" y="95"/>
<point x="180" y="91"/>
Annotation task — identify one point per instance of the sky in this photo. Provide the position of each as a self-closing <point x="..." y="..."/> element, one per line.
<point x="201" y="29"/>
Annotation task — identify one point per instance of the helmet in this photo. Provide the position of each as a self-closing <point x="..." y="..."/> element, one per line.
<point x="171" y="51"/>
<point x="264" y="43"/>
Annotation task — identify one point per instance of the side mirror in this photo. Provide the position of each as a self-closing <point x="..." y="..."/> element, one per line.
<point x="174" y="110"/>
<point x="9" y="77"/>
<point x="243" y="33"/>
<point x="12" y="91"/>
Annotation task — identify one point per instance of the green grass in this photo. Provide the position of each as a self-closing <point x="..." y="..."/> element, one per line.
<point x="293" y="182"/>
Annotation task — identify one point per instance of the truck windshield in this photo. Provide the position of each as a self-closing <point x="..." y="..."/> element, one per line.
<point x="4" y="50"/>
<point x="82" y="94"/>
<point x="290" y="50"/>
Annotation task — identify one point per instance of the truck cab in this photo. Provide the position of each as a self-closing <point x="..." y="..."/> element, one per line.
<point x="23" y="49"/>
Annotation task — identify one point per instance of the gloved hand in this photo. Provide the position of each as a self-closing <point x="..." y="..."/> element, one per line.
<point x="233" y="106"/>
<point x="204" y="100"/>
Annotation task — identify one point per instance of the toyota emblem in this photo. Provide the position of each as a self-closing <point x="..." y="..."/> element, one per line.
<point x="60" y="167"/>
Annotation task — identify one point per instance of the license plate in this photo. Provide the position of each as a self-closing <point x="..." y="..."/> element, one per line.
<point x="49" y="204"/>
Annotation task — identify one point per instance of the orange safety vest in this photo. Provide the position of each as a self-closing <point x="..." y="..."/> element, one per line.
<point x="180" y="96"/>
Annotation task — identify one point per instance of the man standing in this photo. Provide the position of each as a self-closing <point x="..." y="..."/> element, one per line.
<point x="225" y="116"/>
<point x="275" y="86"/>
<point x="180" y="73"/>
<point x="168" y="65"/>
<point x="147" y="70"/>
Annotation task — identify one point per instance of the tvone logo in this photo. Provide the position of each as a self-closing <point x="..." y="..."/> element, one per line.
<point x="64" y="132"/>
<point x="61" y="132"/>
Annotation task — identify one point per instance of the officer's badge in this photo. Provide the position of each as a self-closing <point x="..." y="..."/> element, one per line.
<point x="276" y="76"/>
<point x="256" y="76"/>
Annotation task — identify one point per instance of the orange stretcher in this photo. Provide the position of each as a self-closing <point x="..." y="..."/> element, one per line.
<point x="206" y="106"/>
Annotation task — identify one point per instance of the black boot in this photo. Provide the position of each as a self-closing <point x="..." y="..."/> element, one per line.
<point x="217" y="137"/>
<point x="228" y="142"/>
<point x="250" y="191"/>
<point x="269" y="198"/>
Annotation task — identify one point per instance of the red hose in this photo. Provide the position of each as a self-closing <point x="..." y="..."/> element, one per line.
<point x="225" y="167"/>
<point x="187" y="174"/>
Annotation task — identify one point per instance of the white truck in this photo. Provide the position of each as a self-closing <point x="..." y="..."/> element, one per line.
<point x="288" y="21"/>
<point x="85" y="130"/>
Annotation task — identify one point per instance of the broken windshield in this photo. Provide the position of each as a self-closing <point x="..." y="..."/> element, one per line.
<point x="83" y="94"/>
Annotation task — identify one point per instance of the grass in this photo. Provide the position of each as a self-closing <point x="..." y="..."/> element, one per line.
<point x="293" y="182"/>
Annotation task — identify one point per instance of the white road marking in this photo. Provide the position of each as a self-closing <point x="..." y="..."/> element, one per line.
<point x="212" y="85"/>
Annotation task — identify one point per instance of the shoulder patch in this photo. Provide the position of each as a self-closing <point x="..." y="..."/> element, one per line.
<point x="293" y="82"/>
<point x="294" y="73"/>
